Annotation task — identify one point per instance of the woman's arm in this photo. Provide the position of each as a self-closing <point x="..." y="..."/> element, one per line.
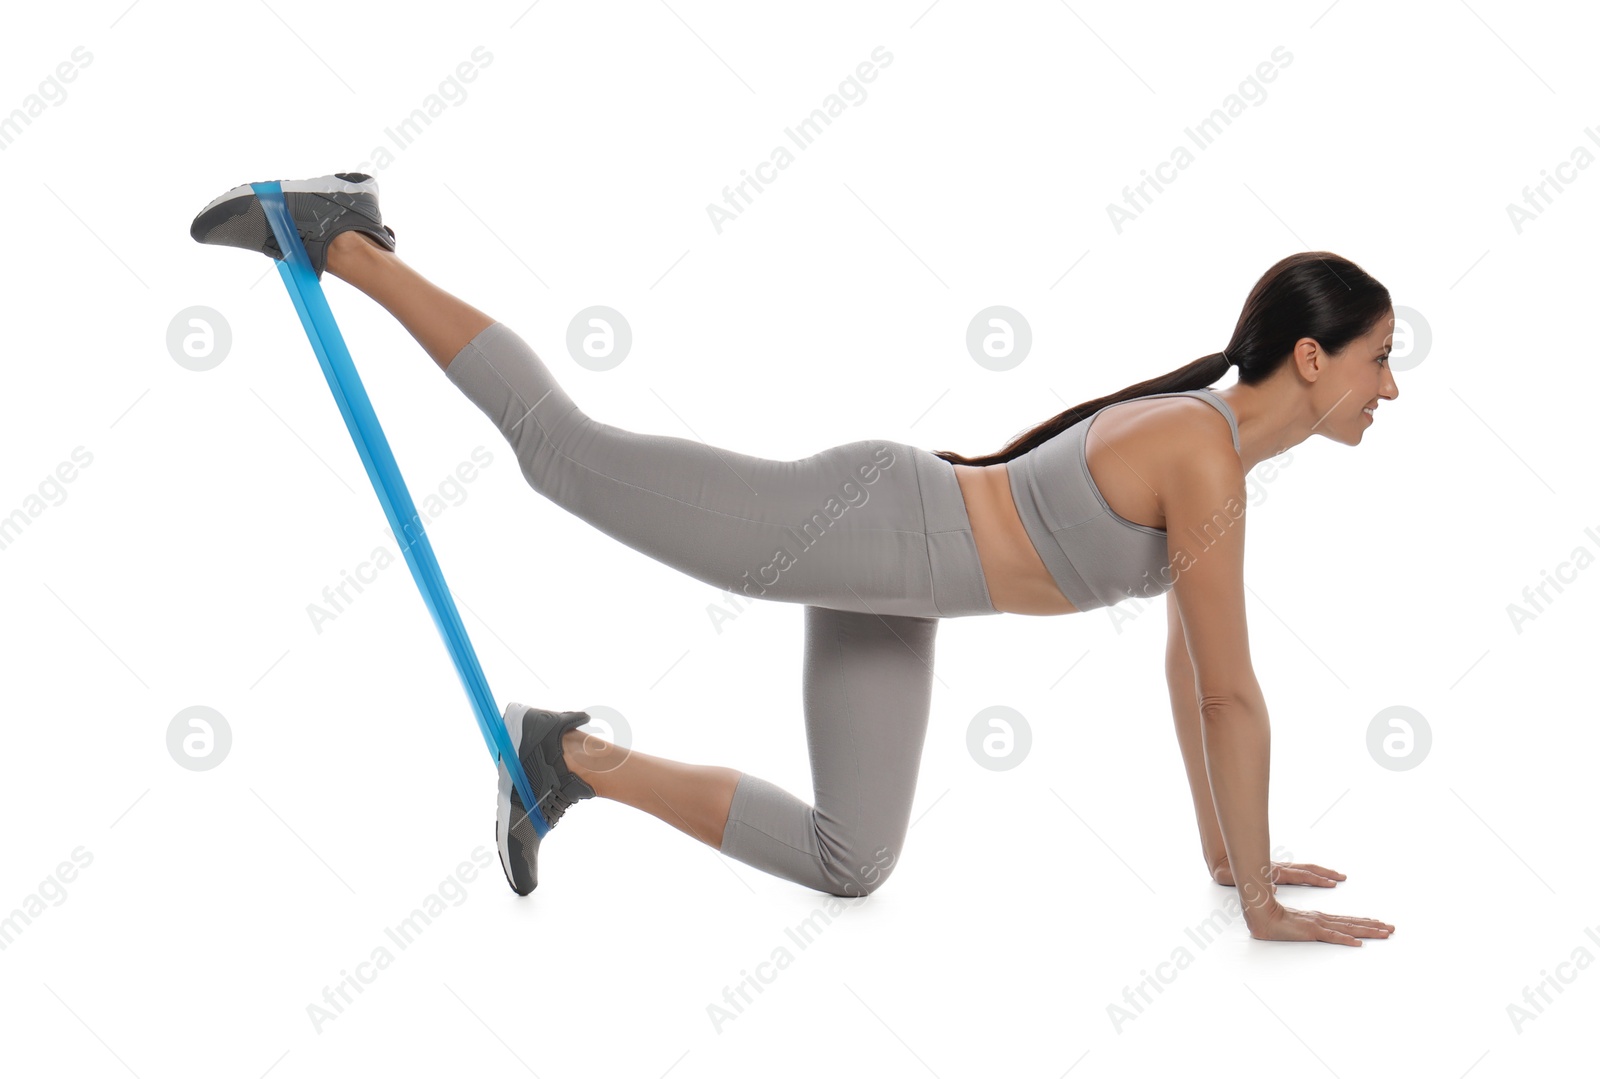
<point x="1186" y="718"/>
<point x="1204" y="502"/>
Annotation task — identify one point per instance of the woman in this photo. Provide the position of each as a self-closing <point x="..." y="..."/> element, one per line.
<point x="879" y="540"/>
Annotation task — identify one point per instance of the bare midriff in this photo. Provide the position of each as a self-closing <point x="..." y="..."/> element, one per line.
<point x="1125" y="453"/>
<point x="1018" y="580"/>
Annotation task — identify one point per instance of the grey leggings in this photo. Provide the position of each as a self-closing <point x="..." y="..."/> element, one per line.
<point x="871" y="536"/>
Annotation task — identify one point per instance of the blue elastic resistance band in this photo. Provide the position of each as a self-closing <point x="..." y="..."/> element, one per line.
<point x="306" y="292"/>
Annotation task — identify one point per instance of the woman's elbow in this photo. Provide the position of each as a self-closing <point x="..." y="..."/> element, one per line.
<point x="1224" y="702"/>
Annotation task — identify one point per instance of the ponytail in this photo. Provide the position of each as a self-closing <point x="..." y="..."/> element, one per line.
<point x="1314" y="294"/>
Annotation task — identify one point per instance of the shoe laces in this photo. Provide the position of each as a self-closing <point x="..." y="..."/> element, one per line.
<point x="554" y="805"/>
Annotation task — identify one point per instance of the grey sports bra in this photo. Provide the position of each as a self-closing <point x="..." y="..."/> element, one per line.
<point x="1096" y="557"/>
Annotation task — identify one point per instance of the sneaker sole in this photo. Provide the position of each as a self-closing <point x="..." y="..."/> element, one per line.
<point x="504" y="833"/>
<point x="319" y="185"/>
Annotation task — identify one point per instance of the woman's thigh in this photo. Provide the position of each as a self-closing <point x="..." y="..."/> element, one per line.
<point x="868" y="687"/>
<point x="843" y="527"/>
<point x="846" y="528"/>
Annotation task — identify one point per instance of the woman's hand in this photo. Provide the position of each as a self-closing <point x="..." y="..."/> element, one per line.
<point x="1286" y="923"/>
<point x="1285" y="873"/>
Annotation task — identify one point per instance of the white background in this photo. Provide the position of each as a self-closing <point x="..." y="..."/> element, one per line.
<point x="177" y="567"/>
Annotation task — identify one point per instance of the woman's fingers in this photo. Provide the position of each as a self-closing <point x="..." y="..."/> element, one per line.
<point x="1369" y="927"/>
<point x="1313" y="875"/>
<point x="1290" y="924"/>
<point x="1307" y="873"/>
<point x="1337" y="930"/>
<point x="1374" y="922"/>
<point x="1355" y="929"/>
<point x="1331" y="935"/>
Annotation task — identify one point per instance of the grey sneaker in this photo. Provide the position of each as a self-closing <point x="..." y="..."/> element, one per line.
<point x="321" y="208"/>
<point x="536" y="737"/>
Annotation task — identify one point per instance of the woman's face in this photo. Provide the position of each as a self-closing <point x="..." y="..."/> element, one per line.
<point x="1355" y="380"/>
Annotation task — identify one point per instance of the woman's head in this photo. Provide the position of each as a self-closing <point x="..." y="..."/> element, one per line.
<point x="1310" y="313"/>
<point x="1325" y="323"/>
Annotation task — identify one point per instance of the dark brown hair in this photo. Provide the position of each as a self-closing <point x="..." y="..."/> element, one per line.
<point x="1313" y="294"/>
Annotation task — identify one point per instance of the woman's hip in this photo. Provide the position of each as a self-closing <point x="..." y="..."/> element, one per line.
<point x="873" y="525"/>
<point x="876" y="526"/>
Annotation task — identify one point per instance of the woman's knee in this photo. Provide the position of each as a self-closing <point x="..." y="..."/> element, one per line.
<point x="860" y="875"/>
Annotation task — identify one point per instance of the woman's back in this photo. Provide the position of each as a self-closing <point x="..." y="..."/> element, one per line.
<point x="1096" y="555"/>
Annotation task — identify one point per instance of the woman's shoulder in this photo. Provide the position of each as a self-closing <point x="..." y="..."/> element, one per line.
<point x="1168" y="424"/>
